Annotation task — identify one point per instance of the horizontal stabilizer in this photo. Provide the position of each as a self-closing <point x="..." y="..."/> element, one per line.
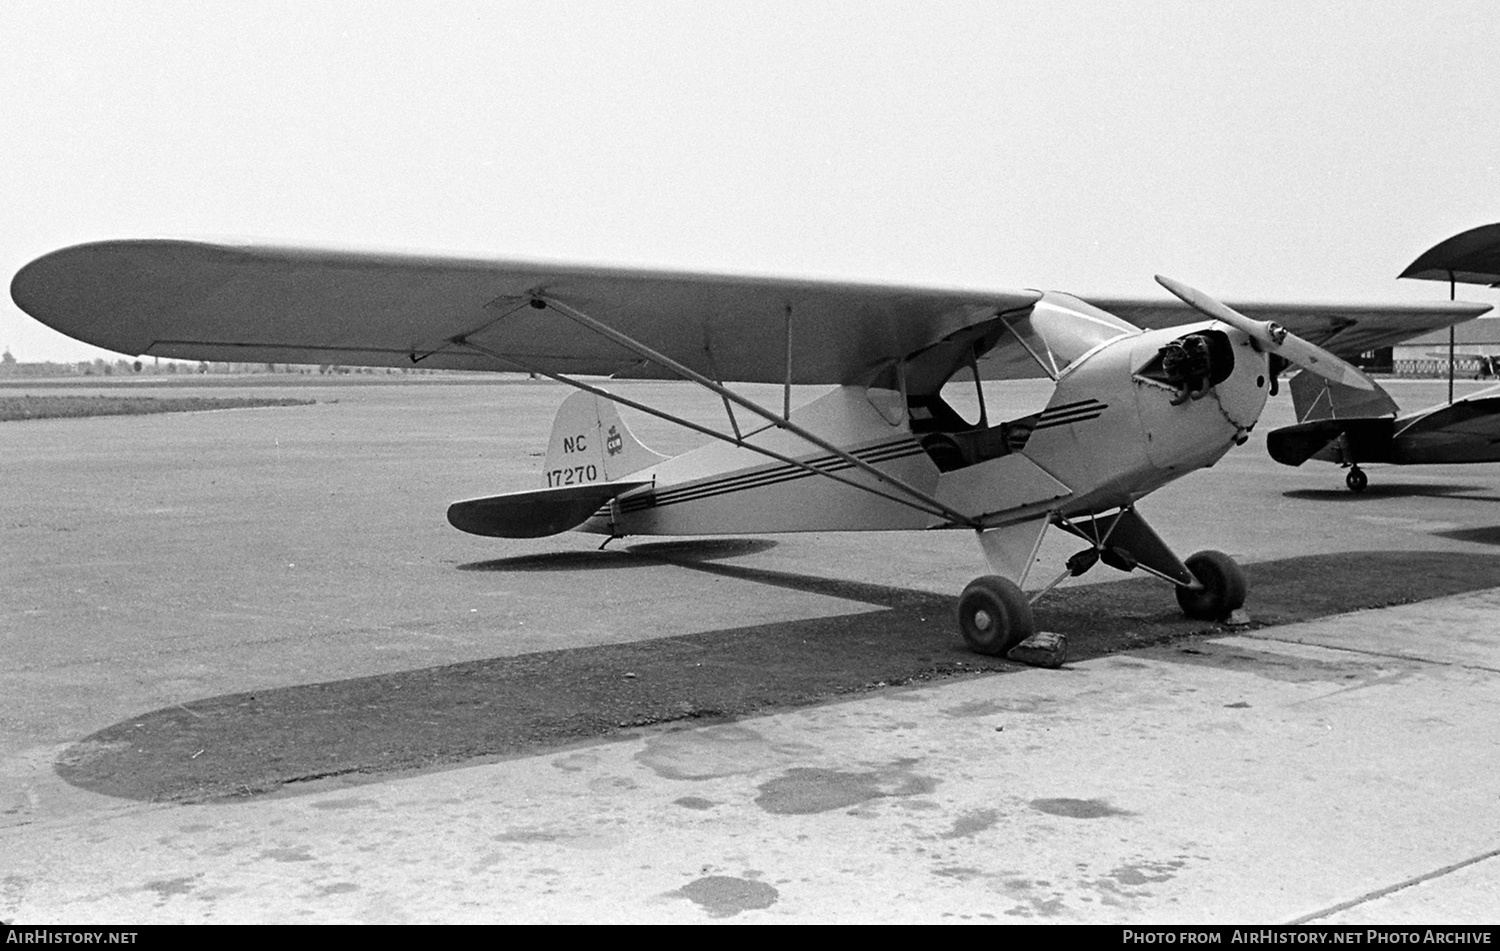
<point x="537" y="513"/>
<point x="1364" y="440"/>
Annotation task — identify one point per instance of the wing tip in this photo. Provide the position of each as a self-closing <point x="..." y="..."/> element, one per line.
<point x="74" y="291"/>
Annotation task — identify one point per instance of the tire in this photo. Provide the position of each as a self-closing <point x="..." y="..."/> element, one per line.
<point x="1223" y="587"/>
<point x="994" y="616"/>
<point x="1356" y="480"/>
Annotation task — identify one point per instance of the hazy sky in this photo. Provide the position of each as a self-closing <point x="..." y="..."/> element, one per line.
<point x="1254" y="149"/>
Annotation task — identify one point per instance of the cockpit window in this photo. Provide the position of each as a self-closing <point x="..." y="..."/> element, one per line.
<point x="1060" y="328"/>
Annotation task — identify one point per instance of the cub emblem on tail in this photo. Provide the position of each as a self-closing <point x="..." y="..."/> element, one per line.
<point x="590" y="444"/>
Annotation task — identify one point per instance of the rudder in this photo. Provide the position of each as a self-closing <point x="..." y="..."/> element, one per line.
<point x="1316" y="398"/>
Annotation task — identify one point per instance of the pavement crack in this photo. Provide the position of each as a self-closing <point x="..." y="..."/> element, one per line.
<point x="1392" y="889"/>
<point x="1382" y="654"/>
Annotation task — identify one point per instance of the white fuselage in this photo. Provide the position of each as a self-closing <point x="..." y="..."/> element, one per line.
<point x="1108" y="436"/>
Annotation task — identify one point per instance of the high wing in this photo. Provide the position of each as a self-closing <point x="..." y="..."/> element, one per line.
<point x="250" y="303"/>
<point x="1474" y="420"/>
<point x="1470" y="257"/>
<point x="260" y="303"/>
<point x="1345" y="330"/>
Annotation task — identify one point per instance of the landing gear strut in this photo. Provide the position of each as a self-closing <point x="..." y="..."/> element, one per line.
<point x="994" y="615"/>
<point x="1356" y="480"/>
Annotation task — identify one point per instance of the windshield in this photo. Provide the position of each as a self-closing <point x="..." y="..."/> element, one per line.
<point x="1060" y="328"/>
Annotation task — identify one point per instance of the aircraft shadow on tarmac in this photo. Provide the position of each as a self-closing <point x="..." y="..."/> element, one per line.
<point x="244" y="744"/>
<point x="686" y="550"/>
<point x="1487" y="535"/>
<point x="1395" y="490"/>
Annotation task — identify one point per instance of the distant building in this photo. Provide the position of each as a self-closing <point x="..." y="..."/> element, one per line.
<point x="1476" y="351"/>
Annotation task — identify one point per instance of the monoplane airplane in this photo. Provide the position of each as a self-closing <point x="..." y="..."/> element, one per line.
<point x="1349" y="427"/>
<point x="1352" y="429"/>
<point x="1130" y="410"/>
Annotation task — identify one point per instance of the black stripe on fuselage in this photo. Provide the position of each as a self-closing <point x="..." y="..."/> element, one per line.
<point x="757" y="480"/>
<point x="1068" y="413"/>
<point x="1070" y="407"/>
<point x="878" y="453"/>
<point x="760" y="478"/>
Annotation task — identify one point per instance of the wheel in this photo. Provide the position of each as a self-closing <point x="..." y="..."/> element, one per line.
<point x="1223" y="587"/>
<point x="1356" y="480"/>
<point x="994" y="615"/>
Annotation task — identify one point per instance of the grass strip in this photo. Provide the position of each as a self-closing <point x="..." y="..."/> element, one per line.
<point x="13" y="408"/>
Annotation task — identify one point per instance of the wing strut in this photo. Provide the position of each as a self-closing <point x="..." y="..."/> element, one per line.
<point x="984" y="417"/>
<point x="713" y="366"/>
<point x="1452" y="337"/>
<point x="786" y="401"/>
<point x="933" y="505"/>
<point x="920" y="501"/>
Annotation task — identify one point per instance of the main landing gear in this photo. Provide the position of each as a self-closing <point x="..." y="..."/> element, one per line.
<point x="1221" y="587"/>
<point x="994" y="615"/>
<point x="1356" y="480"/>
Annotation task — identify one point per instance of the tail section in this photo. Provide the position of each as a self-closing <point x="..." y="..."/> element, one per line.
<point x="1335" y="423"/>
<point x="587" y="457"/>
<point x="1344" y="441"/>
<point x="1316" y="399"/>
<point x="590" y="443"/>
<point x="537" y="513"/>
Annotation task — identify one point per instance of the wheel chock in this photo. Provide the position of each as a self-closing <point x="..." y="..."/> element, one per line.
<point x="1042" y="649"/>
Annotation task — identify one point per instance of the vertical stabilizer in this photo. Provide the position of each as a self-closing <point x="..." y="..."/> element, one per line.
<point x="590" y="443"/>
<point x="1316" y="398"/>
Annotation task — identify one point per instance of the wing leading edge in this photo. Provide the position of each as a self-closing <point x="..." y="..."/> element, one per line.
<point x="1345" y="330"/>
<point x="199" y="301"/>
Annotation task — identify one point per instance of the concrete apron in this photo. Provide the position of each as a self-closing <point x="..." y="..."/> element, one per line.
<point x="1337" y="771"/>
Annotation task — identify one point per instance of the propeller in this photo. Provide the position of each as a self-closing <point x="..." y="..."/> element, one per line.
<point x="1273" y="337"/>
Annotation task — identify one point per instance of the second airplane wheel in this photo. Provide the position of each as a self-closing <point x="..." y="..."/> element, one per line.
<point x="1356" y="480"/>
<point x="994" y="615"/>
<point x="1223" y="587"/>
